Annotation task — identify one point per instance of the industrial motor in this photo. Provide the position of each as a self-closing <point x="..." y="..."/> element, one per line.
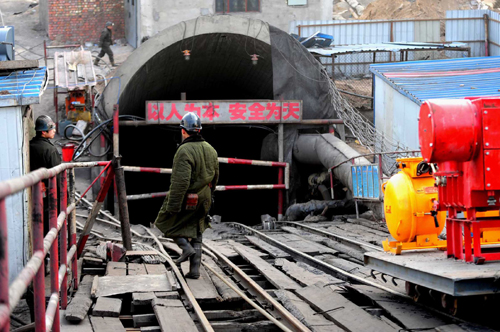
<point x="410" y="201"/>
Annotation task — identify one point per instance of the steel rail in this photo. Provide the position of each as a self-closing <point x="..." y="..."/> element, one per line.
<point x="196" y="307"/>
<point x="254" y="289"/>
<point x="333" y="236"/>
<point x="316" y="263"/>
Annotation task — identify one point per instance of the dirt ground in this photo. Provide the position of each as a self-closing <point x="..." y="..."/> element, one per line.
<point x="399" y="9"/>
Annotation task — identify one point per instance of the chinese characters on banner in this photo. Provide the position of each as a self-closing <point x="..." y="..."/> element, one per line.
<point x="261" y="111"/>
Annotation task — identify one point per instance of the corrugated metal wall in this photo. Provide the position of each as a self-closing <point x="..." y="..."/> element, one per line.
<point x="470" y="31"/>
<point x="379" y="31"/>
<point x="11" y="166"/>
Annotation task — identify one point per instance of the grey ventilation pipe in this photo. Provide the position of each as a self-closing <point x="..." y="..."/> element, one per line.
<point x="328" y="150"/>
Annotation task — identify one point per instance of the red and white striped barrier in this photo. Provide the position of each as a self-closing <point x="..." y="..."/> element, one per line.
<point x="147" y="169"/>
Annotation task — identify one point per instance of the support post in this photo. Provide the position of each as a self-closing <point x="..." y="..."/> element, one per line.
<point x="120" y="183"/>
<point x="280" y="194"/>
<point x="486" y="35"/>
<point x="39" y="282"/>
<point x="54" y="254"/>
<point x="95" y="211"/>
<point x="72" y="227"/>
<point x="63" y="204"/>
<point x="4" y="265"/>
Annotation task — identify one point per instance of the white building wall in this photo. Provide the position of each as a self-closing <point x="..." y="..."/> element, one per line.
<point x="156" y="15"/>
<point x="11" y="166"/>
<point x="396" y="116"/>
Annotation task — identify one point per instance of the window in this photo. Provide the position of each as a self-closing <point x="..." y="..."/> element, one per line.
<point x="297" y="2"/>
<point x="232" y="6"/>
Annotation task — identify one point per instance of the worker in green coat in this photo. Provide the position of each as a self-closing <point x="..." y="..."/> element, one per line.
<point x="184" y="212"/>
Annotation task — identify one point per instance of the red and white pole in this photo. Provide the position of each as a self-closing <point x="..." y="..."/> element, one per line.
<point x="4" y="270"/>
<point x="39" y="282"/>
<point x="54" y="250"/>
<point x="63" y="202"/>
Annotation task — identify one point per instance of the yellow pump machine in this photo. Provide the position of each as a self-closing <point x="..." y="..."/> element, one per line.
<point x="410" y="201"/>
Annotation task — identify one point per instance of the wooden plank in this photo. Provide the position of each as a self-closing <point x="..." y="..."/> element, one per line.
<point x="141" y="253"/>
<point x="134" y="269"/>
<point x="143" y="298"/>
<point x="303" y="312"/>
<point x="303" y="276"/>
<point x="107" y="324"/>
<point x="272" y="250"/>
<point x="18" y="64"/>
<point x="341" y="311"/>
<point x="203" y="288"/>
<point x="303" y="245"/>
<point x="172" y="316"/>
<point x="224" y="290"/>
<point x="406" y="313"/>
<point x="107" y="307"/>
<point x="224" y="247"/>
<point x="155" y="268"/>
<point x="130" y="284"/>
<point x="232" y="314"/>
<point x="275" y="277"/>
<point x="167" y="295"/>
<point x="150" y="329"/>
<point x="144" y="320"/>
<point x="261" y="326"/>
<point x="116" y="269"/>
<point x="172" y="279"/>
<point x="82" y="326"/>
<point x="80" y="304"/>
<point x="450" y="328"/>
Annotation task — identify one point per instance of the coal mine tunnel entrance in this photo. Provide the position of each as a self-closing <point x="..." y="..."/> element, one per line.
<point x="220" y="68"/>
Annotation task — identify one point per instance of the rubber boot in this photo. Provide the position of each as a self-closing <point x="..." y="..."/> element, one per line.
<point x="195" y="262"/>
<point x="96" y="61"/>
<point x="113" y="64"/>
<point x="187" y="249"/>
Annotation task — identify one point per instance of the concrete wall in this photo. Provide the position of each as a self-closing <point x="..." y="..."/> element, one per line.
<point x="396" y="115"/>
<point x="43" y="14"/>
<point x="156" y="15"/>
<point x="80" y="21"/>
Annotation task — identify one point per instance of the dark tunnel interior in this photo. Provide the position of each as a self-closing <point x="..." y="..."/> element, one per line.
<point x="220" y="68"/>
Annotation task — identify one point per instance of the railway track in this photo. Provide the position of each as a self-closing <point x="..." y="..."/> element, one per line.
<point x="299" y="277"/>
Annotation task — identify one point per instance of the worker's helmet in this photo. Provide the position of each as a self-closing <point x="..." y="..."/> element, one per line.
<point x="191" y="122"/>
<point x="44" y="123"/>
<point x="109" y="23"/>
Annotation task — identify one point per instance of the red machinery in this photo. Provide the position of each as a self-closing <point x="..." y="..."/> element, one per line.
<point x="463" y="138"/>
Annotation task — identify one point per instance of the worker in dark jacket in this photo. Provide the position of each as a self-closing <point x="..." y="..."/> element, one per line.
<point x="195" y="173"/>
<point x="105" y="43"/>
<point x="44" y="154"/>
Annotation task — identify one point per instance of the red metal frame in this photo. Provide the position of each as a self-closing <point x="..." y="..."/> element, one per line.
<point x="35" y="267"/>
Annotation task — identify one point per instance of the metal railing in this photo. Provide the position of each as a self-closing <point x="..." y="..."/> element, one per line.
<point x="35" y="267"/>
<point x="283" y="179"/>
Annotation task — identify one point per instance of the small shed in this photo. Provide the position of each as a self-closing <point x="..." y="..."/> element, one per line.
<point x="400" y="89"/>
<point x="19" y="89"/>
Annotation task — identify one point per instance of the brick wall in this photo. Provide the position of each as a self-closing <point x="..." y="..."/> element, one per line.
<point x="82" y="21"/>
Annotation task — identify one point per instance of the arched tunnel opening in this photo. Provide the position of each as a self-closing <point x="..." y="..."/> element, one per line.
<point x="220" y="68"/>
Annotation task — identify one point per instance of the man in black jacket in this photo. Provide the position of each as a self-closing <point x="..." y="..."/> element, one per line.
<point x="44" y="154"/>
<point x="105" y="43"/>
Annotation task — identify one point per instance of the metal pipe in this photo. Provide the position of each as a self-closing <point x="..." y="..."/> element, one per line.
<point x="72" y="228"/>
<point x="280" y="194"/>
<point x="12" y="186"/>
<point x="4" y="268"/>
<point x="39" y="282"/>
<point x="120" y="182"/>
<point x="64" y="46"/>
<point x="54" y="251"/>
<point x="147" y="169"/>
<point x="189" y="295"/>
<point x="63" y="203"/>
<point x="52" y="313"/>
<point x="354" y="94"/>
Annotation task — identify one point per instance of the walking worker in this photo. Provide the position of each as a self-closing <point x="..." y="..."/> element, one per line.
<point x="184" y="213"/>
<point x="105" y="43"/>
